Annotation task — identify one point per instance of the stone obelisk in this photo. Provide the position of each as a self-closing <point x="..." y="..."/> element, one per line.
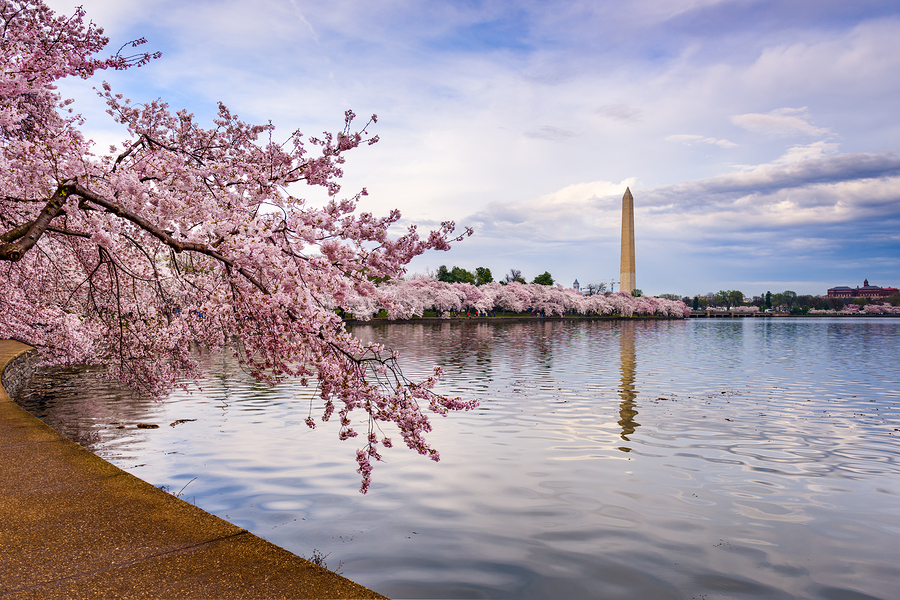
<point x="627" y="281"/>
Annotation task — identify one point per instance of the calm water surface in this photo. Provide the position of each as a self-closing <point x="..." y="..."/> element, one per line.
<point x="744" y="458"/>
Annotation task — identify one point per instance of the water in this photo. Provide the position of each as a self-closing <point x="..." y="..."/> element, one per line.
<point x="744" y="458"/>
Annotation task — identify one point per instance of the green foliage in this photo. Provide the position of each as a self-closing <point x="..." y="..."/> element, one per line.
<point x="461" y="275"/>
<point x="670" y="296"/>
<point x="696" y="305"/>
<point x="790" y="298"/>
<point x="483" y="276"/>
<point x="636" y="293"/>
<point x="838" y="303"/>
<point x="806" y="302"/>
<point x="454" y="275"/>
<point x="543" y="279"/>
<point x="729" y="298"/>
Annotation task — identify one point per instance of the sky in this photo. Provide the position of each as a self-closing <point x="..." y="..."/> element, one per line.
<point x="760" y="139"/>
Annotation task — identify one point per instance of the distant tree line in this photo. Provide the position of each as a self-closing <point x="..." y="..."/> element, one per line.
<point x="482" y="276"/>
<point x="786" y="301"/>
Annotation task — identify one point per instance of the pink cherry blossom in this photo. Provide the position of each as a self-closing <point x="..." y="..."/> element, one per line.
<point x="411" y="298"/>
<point x="187" y="236"/>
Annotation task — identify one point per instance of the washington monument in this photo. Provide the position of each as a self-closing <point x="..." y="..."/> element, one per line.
<point x="627" y="281"/>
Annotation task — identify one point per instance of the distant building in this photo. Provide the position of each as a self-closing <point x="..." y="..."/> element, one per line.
<point x="576" y="286"/>
<point x="866" y="291"/>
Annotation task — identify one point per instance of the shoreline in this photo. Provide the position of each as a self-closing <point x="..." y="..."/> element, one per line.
<point x="73" y="525"/>
<point x="510" y="319"/>
<point x="531" y="318"/>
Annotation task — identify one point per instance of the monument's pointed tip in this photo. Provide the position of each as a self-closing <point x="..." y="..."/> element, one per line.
<point x="627" y="192"/>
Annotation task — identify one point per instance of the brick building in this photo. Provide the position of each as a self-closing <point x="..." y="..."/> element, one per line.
<point x="866" y="291"/>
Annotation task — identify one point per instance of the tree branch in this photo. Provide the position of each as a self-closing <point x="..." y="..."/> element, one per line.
<point x="69" y="232"/>
<point x="126" y="154"/>
<point x="16" y="232"/>
<point x="163" y="236"/>
<point x="21" y="239"/>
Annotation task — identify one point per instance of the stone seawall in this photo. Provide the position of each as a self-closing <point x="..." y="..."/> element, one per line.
<point x="18" y="371"/>
<point x="75" y="526"/>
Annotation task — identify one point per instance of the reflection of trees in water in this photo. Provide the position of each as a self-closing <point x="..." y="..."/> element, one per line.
<point x="477" y="349"/>
<point x="523" y="354"/>
<point x="80" y="404"/>
<point x="480" y="349"/>
<point x="627" y="408"/>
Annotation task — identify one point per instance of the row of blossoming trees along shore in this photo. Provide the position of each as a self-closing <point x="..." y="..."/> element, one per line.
<point x="884" y="308"/>
<point x="404" y="299"/>
<point x="854" y="309"/>
<point x="849" y="309"/>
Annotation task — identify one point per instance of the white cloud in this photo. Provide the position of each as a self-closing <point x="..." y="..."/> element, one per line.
<point x="460" y="90"/>
<point x="799" y="154"/>
<point x="548" y="132"/>
<point x="574" y="213"/>
<point x="620" y="112"/>
<point x="690" y="140"/>
<point x="302" y="18"/>
<point x="735" y="210"/>
<point x="783" y="174"/>
<point x="781" y="122"/>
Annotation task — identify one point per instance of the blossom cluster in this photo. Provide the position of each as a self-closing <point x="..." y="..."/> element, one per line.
<point x="404" y="299"/>
<point x="188" y="236"/>
<point x="854" y="309"/>
<point x="746" y="310"/>
<point x="880" y="309"/>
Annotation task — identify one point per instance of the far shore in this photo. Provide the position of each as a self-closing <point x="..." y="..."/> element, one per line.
<point x="697" y="314"/>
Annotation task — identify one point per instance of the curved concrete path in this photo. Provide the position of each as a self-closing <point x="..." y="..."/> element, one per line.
<point x="74" y="526"/>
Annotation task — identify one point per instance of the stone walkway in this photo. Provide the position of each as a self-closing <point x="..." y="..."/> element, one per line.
<point x="74" y="526"/>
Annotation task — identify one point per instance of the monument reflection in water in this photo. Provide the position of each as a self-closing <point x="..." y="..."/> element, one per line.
<point x="627" y="409"/>
<point x="744" y="458"/>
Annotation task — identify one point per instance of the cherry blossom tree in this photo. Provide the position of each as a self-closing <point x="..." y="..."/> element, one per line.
<point x="189" y="236"/>
<point x="854" y="309"/>
<point x="881" y="309"/>
<point x="488" y="300"/>
<point x="597" y="304"/>
<point x="406" y="299"/>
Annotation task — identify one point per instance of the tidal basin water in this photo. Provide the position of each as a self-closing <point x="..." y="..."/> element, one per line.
<point x="705" y="458"/>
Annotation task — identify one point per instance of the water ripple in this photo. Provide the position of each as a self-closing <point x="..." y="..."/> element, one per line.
<point x="745" y="458"/>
